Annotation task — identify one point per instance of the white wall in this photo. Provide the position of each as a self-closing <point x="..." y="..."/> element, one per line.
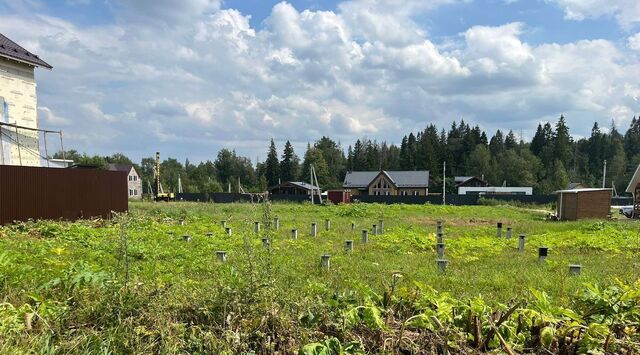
<point x="495" y="190"/>
<point x="18" y="88"/>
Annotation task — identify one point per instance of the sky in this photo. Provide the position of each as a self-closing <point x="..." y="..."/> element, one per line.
<point x="189" y="77"/>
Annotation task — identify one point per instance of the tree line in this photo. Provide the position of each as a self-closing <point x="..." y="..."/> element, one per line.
<point x="548" y="162"/>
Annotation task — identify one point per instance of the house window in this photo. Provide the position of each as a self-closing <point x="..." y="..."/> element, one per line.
<point x="135" y="192"/>
<point x="130" y="192"/>
<point x="416" y="193"/>
<point x="135" y="177"/>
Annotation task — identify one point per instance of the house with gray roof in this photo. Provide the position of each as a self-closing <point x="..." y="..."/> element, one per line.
<point x="293" y="188"/>
<point x="387" y="183"/>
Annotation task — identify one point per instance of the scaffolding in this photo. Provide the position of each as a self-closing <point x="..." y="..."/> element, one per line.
<point x="7" y="130"/>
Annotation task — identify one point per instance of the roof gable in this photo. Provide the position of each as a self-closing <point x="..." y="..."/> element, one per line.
<point x="121" y="167"/>
<point x="12" y="50"/>
<point x="386" y="175"/>
<point x="635" y="180"/>
<point x="362" y="179"/>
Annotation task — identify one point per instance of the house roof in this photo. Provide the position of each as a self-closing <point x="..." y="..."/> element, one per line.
<point x="459" y="180"/>
<point x="12" y="50"/>
<point x="120" y="167"/>
<point x="355" y="179"/>
<point x="635" y="180"/>
<point x="300" y="184"/>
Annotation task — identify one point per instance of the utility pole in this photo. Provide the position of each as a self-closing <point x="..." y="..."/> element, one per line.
<point x="604" y="174"/>
<point x="444" y="182"/>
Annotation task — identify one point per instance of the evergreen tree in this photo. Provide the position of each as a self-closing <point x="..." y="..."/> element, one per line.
<point x="562" y="142"/>
<point x="496" y="145"/>
<point x="632" y="138"/>
<point x="510" y="141"/>
<point x="290" y="164"/>
<point x="272" y="168"/>
<point x="538" y="142"/>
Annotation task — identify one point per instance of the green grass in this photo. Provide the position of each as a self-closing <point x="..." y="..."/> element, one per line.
<point x="133" y="285"/>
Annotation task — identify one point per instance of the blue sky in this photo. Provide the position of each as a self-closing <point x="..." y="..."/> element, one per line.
<point x="190" y="77"/>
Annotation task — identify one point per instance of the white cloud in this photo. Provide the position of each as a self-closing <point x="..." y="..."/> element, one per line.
<point x="634" y="41"/>
<point x="626" y="12"/>
<point x="368" y="68"/>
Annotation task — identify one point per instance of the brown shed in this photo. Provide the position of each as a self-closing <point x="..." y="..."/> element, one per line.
<point x="577" y="204"/>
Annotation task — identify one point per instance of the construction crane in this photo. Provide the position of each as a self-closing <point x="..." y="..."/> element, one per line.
<point x="160" y="194"/>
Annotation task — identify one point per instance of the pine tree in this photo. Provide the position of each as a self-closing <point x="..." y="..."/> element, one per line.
<point x="272" y="168"/>
<point x="510" y="141"/>
<point x="538" y="142"/>
<point x="562" y="142"/>
<point x="496" y="146"/>
<point x="290" y="164"/>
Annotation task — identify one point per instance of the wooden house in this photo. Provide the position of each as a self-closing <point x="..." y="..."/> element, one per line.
<point x="387" y="183"/>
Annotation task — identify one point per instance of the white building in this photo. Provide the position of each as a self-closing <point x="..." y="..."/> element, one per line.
<point x="495" y="190"/>
<point x="18" y="104"/>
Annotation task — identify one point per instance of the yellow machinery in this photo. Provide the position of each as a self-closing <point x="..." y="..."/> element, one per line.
<point x="160" y="194"/>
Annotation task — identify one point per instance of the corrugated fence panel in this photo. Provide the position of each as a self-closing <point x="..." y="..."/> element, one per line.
<point x="48" y="193"/>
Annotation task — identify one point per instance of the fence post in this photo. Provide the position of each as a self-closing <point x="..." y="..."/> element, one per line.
<point x="381" y="224"/>
<point x="440" y="250"/>
<point x="365" y="236"/>
<point x="542" y="253"/>
<point x="439" y="227"/>
<point x="276" y="223"/>
<point x="508" y="232"/>
<point x="224" y="224"/>
<point x="499" y="230"/>
<point x="353" y="226"/>
<point x="574" y="270"/>
<point x="186" y="238"/>
<point x="314" y="230"/>
<point x="265" y="243"/>
<point x="325" y="261"/>
<point x="442" y="264"/>
<point x="228" y="230"/>
<point x="440" y="237"/>
<point x="256" y="227"/>
<point x="327" y="224"/>
<point x="349" y="245"/>
<point x="221" y="255"/>
<point x="374" y="230"/>
<point x="294" y="234"/>
<point x="521" y="243"/>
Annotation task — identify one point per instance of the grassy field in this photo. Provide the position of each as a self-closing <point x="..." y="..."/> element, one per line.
<point x="137" y="285"/>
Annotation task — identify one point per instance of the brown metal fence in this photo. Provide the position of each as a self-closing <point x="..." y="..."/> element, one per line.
<point x="49" y="193"/>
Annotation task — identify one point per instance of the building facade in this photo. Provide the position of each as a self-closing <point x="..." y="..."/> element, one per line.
<point x="18" y="104"/>
<point x="387" y="183"/>
<point x="134" y="183"/>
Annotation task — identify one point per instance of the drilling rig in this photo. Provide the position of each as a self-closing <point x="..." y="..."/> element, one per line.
<point x="160" y="194"/>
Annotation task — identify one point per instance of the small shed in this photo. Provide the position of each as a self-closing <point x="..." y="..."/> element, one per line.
<point x="339" y="196"/>
<point x="577" y="204"/>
